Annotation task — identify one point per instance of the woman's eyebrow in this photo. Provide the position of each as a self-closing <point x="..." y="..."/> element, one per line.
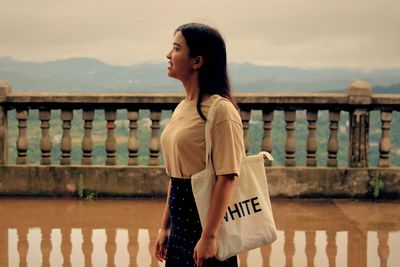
<point x="177" y="44"/>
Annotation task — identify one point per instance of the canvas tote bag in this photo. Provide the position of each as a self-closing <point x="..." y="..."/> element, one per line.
<point x="248" y="222"/>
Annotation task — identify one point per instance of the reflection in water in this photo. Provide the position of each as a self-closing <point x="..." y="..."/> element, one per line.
<point x="122" y="233"/>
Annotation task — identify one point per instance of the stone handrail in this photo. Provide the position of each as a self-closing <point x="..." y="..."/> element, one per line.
<point x="358" y="101"/>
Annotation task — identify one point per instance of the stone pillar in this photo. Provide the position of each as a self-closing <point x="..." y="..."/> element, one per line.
<point x="45" y="140"/>
<point x="243" y="257"/>
<point x="66" y="140"/>
<point x="245" y="116"/>
<point x="87" y="140"/>
<point x="385" y="145"/>
<point x="23" y="246"/>
<point x="22" y="140"/>
<point x="312" y="143"/>
<point x="87" y="246"/>
<point x="46" y="246"/>
<point x="3" y="246"/>
<point x="66" y="246"/>
<point x="133" y="246"/>
<point x="311" y="248"/>
<point x="357" y="248"/>
<point x="133" y="143"/>
<point x="383" y="247"/>
<point x="289" y="248"/>
<point x="5" y="89"/>
<point x="290" y="143"/>
<point x="268" y="116"/>
<point x="333" y="142"/>
<point x="359" y="97"/>
<point x="111" y="141"/>
<point x="153" y="233"/>
<point x="266" y="255"/>
<point x="154" y="146"/>
<point x="331" y="247"/>
<point x="111" y="246"/>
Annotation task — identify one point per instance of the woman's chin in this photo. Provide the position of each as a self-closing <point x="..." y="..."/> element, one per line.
<point x="170" y="73"/>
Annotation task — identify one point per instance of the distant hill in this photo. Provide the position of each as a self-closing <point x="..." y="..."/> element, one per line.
<point x="92" y="75"/>
<point x="392" y="89"/>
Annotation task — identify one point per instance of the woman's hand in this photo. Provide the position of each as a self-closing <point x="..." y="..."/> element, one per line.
<point x="206" y="248"/>
<point x="161" y="242"/>
<point x="161" y="245"/>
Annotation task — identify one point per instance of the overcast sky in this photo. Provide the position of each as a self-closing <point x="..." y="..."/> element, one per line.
<point x="301" y="33"/>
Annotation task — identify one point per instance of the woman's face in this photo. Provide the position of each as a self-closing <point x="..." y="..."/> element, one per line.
<point x="180" y="63"/>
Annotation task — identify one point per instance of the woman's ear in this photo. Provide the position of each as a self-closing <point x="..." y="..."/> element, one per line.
<point x="198" y="62"/>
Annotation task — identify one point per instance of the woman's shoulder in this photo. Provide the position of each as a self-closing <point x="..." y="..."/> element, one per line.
<point x="178" y="109"/>
<point x="224" y="110"/>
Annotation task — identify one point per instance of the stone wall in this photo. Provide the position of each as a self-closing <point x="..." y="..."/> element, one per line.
<point x="146" y="181"/>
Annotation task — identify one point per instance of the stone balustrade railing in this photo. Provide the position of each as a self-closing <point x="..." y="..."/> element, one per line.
<point x="62" y="177"/>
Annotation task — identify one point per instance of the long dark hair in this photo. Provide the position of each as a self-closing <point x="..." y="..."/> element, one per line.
<point x="207" y="42"/>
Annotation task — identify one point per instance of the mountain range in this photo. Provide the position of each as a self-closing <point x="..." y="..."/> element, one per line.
<point x="92" y="75"/>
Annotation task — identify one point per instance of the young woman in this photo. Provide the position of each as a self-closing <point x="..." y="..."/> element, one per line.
<point x="198" y="60"/>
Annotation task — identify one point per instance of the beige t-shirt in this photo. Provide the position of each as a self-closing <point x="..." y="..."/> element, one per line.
<point x="183" y="139"/>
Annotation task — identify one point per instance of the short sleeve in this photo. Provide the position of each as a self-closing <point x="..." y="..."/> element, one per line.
<point x="227" y="139"/>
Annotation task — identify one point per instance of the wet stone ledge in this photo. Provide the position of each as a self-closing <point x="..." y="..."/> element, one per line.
<point x="152" y="181"/>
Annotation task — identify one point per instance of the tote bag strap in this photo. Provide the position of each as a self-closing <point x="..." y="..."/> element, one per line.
<point x="210" y="118"/>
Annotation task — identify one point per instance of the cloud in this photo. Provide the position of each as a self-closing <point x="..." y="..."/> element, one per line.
<point x="356" y="33"/>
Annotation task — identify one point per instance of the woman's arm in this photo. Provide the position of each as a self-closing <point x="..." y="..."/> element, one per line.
<point x="207" y="245"/>
<point x="161" y="242"/>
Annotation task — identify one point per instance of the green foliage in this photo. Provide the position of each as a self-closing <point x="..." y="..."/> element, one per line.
<point x="83" y="193"/>
<point x="376" y="185"/>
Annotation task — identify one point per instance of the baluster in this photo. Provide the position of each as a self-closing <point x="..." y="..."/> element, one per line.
<point x="331" y="248"/>
<point x="385" y="144"/>
<point x="333" y="144"/>
<point x="312" y="145"/>
<point x="66" y="246"/>
<point x="383" y="247"/>
<point x="5" y="89"/>
<point x="245" y="115"/>
<point x="268" y="116"/>
<point x="266" y="255"/>
<point x="46" y="246"/>
<point x="289" y="248"/>
<point x="45" y="140"/>
<point x="132" y="246"/>
<point x="356" y="247"/>
<point x="87" y="246"/>
<point x="111" y="142"/>
<point x="87" y="141"/>
<point x="133" y="144"/>
<point x="311" y="249"/>
<point x="243" y="256"/>
<point x="23" y="246"/>
<point x="22" y="141"/>
<point x="111" y="246"/>
<point x="290" y="144"/>
<point x="66" y="142"/>
<point x="153" y="233"/>
<point x="3" y="246"/>
<point x="154" y="147"/>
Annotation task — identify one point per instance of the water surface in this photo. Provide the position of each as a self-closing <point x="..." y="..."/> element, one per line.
<point x="67" y="232"/>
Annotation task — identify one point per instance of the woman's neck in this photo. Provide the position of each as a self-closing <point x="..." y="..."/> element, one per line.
<point x="192" y="89"/>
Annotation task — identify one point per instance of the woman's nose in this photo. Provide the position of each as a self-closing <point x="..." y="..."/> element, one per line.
<point x="169" y="55"/>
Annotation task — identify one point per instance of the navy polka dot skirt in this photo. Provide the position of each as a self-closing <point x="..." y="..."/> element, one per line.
<point x="186" y="228"/>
